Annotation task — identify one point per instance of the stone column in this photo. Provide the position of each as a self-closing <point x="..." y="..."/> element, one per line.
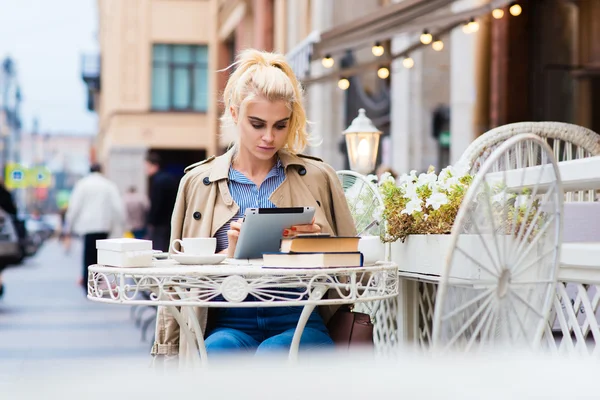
<point x="466" y="88"/>
<point x="325" y="102"/>
<point x="400" y="119"/>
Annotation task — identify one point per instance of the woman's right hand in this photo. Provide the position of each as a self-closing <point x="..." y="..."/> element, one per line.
<point x="232" y="236"/>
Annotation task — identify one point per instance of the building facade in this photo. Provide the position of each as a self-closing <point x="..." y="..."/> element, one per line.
<point x="534" y="61"/>
<point x="154" y="85"/>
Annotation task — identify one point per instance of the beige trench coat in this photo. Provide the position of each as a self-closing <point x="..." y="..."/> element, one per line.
<point x="204" y="204"/>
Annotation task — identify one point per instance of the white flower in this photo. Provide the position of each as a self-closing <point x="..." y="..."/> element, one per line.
<point x="410" y="190"/>
<point x="449" y="182"/>
<point x="404" y="179"/>
<point x="461" y="170"/>
<point x="414" y="205"/>
<point x="372" y="178"/>
<point x="436" y="200"/>
<point x="413" y="175"/>
<point x="427" y="180"/>
<point x="386" y="177"/>
<point x="446" y="173"/>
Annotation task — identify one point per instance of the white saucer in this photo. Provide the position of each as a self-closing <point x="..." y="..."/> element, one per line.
<point x="189" y="259"/>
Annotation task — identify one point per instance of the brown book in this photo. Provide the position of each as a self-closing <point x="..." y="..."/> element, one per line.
<point x="312" y="260"/>
<point x="319" y="244"/>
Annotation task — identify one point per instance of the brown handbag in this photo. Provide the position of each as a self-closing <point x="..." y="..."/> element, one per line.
<point x="348" y="328"/>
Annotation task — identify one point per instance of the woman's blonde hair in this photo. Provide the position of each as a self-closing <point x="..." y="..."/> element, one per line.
<point x="265" y="74"/>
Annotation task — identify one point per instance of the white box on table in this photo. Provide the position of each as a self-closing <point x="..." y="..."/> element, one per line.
<point x="124" y="244"/>
<point x="125" y="252"/>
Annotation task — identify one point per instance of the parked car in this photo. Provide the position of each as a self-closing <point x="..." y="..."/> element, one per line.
<point x="12" y="249"/>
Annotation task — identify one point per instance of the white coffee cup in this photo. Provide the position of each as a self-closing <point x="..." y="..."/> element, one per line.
<point x="196" y="246"/>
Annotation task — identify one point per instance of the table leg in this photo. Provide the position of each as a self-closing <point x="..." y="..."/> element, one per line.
<point x="317" y="293"/>
<point x="187" y="334"/>
<point x="195" y="325"/>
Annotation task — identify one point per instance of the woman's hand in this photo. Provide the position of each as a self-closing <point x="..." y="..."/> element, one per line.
<point x="302" y="229"/>
<point x="232" y="236"/>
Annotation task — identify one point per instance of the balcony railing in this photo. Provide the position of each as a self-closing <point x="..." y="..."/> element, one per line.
<point x="90" y="73"/>
<point x="90" y="70"/>
<point x="300" y="56"/>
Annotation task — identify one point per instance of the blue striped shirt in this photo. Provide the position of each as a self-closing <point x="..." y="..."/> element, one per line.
<point x="246" y="194"/>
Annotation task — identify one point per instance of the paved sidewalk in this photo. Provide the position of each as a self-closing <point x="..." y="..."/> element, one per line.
<point x="45" y="318"/>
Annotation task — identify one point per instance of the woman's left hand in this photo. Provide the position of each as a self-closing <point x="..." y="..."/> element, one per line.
<point x="302" y="229"/>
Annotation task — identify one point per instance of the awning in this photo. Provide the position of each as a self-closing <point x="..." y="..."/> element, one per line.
<point x="377" y="26"/>
<point x="409" y="16"/>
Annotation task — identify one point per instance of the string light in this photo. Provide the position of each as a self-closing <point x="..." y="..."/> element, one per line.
<point x="378" y="49"/>
<point x="426" y="37"/>
<point x="327" y="61"/>
<point x="515" y="9"/>
<point x="438" y="45"/>
<point x="343" y="83"/>
<point x="473" y="25"/>
<point x="383" y="72"/>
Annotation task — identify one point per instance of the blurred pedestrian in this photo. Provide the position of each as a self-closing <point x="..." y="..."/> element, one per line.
<point x="136" y="205"/>
<point x="96" y="211"/>
<point x="163" y="192"/>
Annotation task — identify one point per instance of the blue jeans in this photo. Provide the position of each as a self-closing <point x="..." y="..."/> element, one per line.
<point x="264" y="330"/>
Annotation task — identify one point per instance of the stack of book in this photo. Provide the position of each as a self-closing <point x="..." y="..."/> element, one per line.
<point x="316" y="250"/>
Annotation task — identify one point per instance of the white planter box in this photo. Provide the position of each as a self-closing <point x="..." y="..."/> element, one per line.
<point x="426" y="254"/>
<point x="372" y="248"/>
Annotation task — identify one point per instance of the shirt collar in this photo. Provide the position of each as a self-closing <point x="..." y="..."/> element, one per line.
<point x="220" y="169"/>
<point x="237" y="176"/>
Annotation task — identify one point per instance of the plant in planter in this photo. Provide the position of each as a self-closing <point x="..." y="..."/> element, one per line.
<point x="423" y="204"/>
<point x="425" y="207"/>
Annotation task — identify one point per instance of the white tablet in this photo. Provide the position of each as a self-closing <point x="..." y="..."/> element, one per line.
<point x="262" y="229"/>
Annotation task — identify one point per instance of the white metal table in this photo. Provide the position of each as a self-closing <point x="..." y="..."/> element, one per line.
<point x="173" y="286"/>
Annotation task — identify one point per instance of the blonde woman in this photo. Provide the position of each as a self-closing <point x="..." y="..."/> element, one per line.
<point x="264" y="168"/>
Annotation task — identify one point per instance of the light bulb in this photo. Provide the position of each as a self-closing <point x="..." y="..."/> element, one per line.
<point x="378" y="49"/>
<point x="466" y="29"/>
<point x="426" y="37"/>
<point x="473" y="25"/>
<point x="498" y="13"/>
<point x="438" y="45"/>
<point x="343" y="83"/>
<point x="408" y="63"/>
<point x="383" y="72"/>
<point x="363" y="148"/>
<point x="328" y="61"/>
<point x="515" y="10"/>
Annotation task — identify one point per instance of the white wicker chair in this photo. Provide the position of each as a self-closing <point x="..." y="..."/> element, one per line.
<point x="569" y="142"/>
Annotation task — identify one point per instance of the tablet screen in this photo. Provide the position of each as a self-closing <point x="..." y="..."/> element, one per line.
<point x="262" y="229"/>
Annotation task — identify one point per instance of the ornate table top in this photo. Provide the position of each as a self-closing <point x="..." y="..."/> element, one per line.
<point x="227" y="285"/>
